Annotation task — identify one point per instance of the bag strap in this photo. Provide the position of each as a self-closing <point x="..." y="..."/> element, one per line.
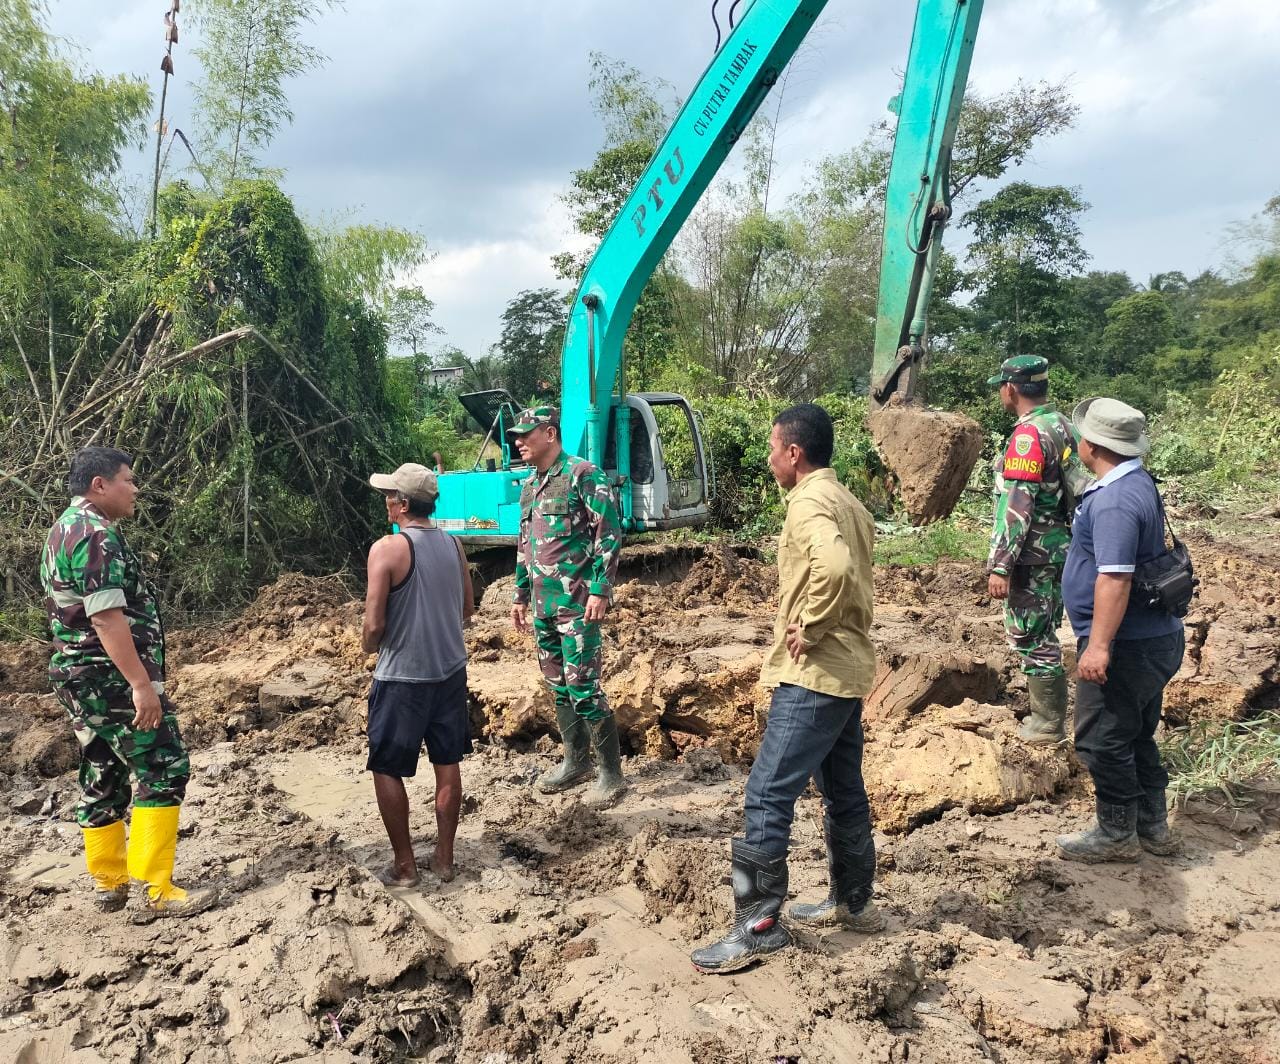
<point x="1164" y="517"/>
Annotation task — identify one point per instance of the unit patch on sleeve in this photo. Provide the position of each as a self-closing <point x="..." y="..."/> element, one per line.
<point x="1024" y="459"/>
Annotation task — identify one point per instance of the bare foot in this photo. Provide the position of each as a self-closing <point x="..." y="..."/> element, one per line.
<point x="394" y="876"/>
<point x="441" y="870"/>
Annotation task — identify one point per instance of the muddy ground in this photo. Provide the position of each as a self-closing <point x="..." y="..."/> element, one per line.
<point x="565" y="936"/>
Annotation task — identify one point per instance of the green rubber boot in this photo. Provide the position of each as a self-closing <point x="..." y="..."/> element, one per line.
<point x="609" y="785"/>
<point x="575" y="735"/>
<point x="1046" y="724"/>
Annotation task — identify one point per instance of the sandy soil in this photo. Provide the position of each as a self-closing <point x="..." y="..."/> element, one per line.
<point x="565" y="936"/>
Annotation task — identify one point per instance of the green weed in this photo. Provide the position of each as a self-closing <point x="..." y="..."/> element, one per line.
<point x="1222" y="757"/>
<point x="959" y="538"/>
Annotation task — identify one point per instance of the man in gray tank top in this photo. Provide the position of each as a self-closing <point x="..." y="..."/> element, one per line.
<point x="419" y="598"/>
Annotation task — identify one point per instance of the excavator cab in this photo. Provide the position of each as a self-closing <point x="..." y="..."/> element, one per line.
<point x="654" y="456"/>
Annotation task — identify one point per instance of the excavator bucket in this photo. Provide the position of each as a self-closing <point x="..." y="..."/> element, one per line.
<point x="930" y="452"/>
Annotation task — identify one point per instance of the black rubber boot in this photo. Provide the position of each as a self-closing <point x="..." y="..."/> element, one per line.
<point x="1153" y="825"/>
<point x="575" y="735"/>
<point x="609" y="783"/>
<point x="1113" y="837"/>
<point x="759" y="889"/>
<point x="851" y="860"/>
<point x="1046" y="724"/>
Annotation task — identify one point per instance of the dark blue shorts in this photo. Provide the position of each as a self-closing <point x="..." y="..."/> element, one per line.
<point x="402" y="716"/>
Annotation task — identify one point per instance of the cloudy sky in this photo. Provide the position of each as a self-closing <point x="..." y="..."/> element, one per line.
<point x="464" y="120"/>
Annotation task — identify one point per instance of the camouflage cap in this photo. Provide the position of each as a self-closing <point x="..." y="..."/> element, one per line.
<point x="1021" y="369"/>
<point x="534" y="417"/>
<point x="411" y="480"/>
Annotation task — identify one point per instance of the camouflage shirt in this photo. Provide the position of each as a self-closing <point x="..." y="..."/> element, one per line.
<point x="87" y="568"/>
<point x="1033" y="507"/>
<point x="570" y="534"/>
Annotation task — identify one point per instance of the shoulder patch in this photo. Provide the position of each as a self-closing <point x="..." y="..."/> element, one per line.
<point x="1024" y="457"/>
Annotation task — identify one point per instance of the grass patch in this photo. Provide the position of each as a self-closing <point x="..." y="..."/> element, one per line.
<point x="1222" y="757"/>
<point x="959" y="537"/>
<point x="21" y="622"/>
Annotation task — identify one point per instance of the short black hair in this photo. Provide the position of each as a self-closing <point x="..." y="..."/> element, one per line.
<point x="420" y="507"/>
<point x="417" y="507"/>
<point x="90" y="462"/>
<point x="809" y="427"/>
<point x="1033" y="389"/>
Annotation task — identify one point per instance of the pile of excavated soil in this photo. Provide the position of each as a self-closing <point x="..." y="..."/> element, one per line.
<point x="566" y="935"/>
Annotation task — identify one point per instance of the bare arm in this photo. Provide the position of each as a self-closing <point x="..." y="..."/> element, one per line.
<point x="375" y="597"/>
<point x="117" y="640"/>
<point x="1110" y="600"/>
<point x="468" y="588"/>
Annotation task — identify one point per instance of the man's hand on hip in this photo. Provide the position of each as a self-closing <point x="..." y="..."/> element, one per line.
<point x="998" y="586"/>
<point x="796" y="645"/>
<point x="597" y="607"/>
<point x="147" y="710"/>
<point x="1093" y="663"/>
<point x="520" y="616"/>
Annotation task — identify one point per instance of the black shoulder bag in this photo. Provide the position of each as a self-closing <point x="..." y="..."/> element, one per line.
<point x="1168" y="582"/>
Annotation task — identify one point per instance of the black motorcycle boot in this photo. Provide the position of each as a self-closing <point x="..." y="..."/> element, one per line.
<point x="759" y="889"/>
<point x="1046" y="724"/>
<point x="609" y="785"/>
<point x="575" y="735"/>
<point x="851" y="861"/>
<point x="1153" y="825"/>
<point x="1113" y="837"/>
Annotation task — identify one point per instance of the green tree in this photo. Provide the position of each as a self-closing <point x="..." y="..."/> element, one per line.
<point x="249" y="51"/>
<point x="1026" y="241"/>
<point x="532" y="333"/>
<point x="409" y="324"/>
<point x="61" y="139"/>
<point x="1137" y="327"/>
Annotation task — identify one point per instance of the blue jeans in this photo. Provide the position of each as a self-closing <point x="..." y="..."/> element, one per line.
<point x="809" y="735"/>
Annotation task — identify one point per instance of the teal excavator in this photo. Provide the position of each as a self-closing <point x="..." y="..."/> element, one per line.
<point x="930" y="453"/>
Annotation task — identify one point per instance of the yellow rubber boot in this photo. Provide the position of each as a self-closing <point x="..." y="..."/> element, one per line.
<point x="104" y="854"/>
<point x="153" y="840"/>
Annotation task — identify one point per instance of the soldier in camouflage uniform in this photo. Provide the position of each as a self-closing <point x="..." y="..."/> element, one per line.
<point x="1036" y="479"/>
<point x="107" y="669"/>
<point x="566" y="562"/>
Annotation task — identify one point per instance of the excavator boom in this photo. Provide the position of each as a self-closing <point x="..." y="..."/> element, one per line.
<point x="717" y="111"/>
<point x="931" y="452"/>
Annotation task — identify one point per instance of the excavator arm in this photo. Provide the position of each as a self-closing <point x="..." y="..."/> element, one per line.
<point x="744" y="70"/>
<point x="930" y="452"/>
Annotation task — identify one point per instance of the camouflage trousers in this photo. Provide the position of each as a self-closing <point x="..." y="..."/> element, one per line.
<point x="112" y="750"/>
<point x="1032" y="614"/>
<point x="569" y="657"/>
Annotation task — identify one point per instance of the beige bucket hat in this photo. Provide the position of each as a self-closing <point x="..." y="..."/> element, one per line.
<point x="1112" y="424"/>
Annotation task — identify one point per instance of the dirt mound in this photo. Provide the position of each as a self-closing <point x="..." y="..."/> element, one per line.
<point x="1232" y="665"/>
<point x="36" y="741"/>
<point x="967" y="757"/>
<point x="24" y="666"/>
<point x="931" y="452"/>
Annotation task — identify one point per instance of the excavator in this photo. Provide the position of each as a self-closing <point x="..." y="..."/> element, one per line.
<point x="929" y="452"/>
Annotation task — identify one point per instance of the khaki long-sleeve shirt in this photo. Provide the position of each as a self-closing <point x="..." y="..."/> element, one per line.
<point x="825" y="585"/>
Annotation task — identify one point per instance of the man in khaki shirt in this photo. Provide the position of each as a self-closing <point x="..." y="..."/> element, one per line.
<point x="821" y="664"/>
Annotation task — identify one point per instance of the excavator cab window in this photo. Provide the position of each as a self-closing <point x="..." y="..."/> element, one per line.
<point x="641" y="448"/>
<point x="685" y="480"/>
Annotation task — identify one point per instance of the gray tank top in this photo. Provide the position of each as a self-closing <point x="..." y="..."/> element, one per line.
<point x="423" y="642"/>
